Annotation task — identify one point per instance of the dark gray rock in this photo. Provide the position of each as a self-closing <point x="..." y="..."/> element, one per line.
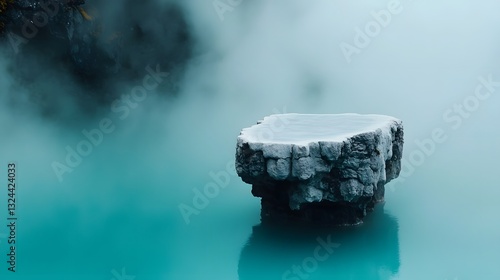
<point x="100" y="45"/>
<point x="325" y="168"/>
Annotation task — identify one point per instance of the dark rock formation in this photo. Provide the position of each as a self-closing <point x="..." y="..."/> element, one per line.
<point x="322" y="168"/>
<point x="99" y="44"/>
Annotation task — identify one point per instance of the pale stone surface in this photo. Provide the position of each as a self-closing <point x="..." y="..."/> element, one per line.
<point x="293" y="160"/>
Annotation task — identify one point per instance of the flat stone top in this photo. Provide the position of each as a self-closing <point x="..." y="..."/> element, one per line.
<point x="302" y="129"/>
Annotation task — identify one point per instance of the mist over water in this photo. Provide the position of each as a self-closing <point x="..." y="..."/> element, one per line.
<point x="119" y="206"/>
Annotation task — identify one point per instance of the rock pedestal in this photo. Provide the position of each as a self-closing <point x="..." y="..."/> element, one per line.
<point x="320" y="168"/>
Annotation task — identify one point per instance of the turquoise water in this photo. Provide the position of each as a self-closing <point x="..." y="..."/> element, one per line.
<point x="120" y="210"/>
<point x="116" y="215"/>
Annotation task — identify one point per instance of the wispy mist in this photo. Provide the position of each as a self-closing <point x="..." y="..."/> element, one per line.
<point x="260" y="58"/>
<point x="225" y="73"/>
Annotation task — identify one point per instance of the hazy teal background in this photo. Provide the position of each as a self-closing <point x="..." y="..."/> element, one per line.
<point x="119" y="208"/>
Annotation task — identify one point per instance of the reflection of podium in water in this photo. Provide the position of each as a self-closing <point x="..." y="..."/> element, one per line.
<point x="293" y="252"/>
